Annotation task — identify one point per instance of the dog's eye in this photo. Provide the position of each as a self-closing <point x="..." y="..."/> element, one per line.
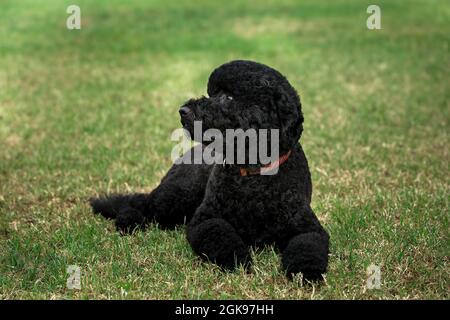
<point x="224" y="97"/>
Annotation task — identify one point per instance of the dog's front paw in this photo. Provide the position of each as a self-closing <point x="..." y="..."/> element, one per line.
<point x="307" y="254"/>
<point x="217" y="241"/>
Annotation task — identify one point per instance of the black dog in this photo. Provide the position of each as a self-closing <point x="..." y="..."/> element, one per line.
<point x="231" y="207"/>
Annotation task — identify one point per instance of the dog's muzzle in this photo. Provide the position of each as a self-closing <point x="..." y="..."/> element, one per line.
<point x="187" y="115"/>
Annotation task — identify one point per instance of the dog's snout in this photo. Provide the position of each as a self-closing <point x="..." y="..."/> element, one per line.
<point x="184" y="111"/>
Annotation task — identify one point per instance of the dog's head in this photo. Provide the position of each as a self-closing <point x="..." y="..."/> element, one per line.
<point x="247" y="95"/>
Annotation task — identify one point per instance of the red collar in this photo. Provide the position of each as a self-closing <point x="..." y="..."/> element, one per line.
<point x="268" y="167"/>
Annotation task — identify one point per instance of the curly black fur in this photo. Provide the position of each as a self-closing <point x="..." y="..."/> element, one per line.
<point x="226" y="213"/>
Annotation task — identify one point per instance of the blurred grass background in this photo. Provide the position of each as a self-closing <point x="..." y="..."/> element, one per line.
<point x="88" y="111"/>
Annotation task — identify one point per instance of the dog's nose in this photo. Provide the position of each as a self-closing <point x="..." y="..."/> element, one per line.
<point x="184" y="111"/>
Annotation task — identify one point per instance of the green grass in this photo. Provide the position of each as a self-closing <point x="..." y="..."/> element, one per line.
<point x="89" y="111"/>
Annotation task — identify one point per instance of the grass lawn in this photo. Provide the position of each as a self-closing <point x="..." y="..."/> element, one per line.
<point x="87" y="111"/>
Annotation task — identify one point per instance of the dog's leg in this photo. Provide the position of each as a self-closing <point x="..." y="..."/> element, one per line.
<point x="307" y="251"/>
<point x="180" y="193"/>
<point x="130" y="211"/>
<point x="217" y="241"/>
<point x="173" y="202"/>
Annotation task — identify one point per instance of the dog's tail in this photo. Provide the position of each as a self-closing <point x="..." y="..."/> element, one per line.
<point x="109" y="206"/>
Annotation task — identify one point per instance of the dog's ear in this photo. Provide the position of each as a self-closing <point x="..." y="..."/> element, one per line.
<point x="288" y="108"/>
